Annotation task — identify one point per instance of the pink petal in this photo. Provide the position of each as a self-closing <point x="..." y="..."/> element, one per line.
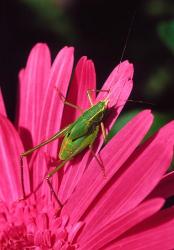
<point x="119" y="92"/>
<point x="119" y="84"/>
<point x="51" y="115"/>
<point x="52" y="109"/>
<point x="73" y="173"/>
<point x="115" y="153"/>
<point x="33" y="81"/>
<point x="2" y="105"/>
<point x="122" y="72"/>
<point x="155" y="233"/>
<point x="165" y="188"/>
<point x="42" y="221"/>
<point x="136" y="179"/>
<point x="11" y="147"/>
<point x="117" y="227"/>
<point x="84" y="78"/>
<point x="74" y="231"/>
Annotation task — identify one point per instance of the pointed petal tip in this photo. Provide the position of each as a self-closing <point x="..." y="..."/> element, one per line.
<point x="147" y="111"/>
<point x="89" y="60"/>
<point x="83" y="58"/>
<point x="21" y="74"/>
<point x="126" y="63"/>
<point x="124" y="69"/>
<point x="39" y="50"/>
<point x="170" y="124"/>
<point x="157" y="202"/>
<point x="69" y="49"/>
<point x="64" y="52"/>
<point x="167" y="130"/>
<point x="39" y="46"/>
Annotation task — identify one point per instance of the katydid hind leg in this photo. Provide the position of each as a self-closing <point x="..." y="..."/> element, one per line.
<point x="100" y="163"/>
<point x="55" y="170"/>
<point x="61" y="133"/>
<point x="22" y="178"/>
<point x="103" y="131"/>
<point x="24" y="154"/>
<point x="53" y="192"/>
<point x="50" y="174"/>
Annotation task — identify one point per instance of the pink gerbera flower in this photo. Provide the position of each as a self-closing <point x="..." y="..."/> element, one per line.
<point x="121" y="211"/>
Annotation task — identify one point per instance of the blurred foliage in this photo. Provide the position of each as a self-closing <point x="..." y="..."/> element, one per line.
<point x="166" y="33"/>
<point x="159" y="7"/>
<point x="158" y="82"/>
<point x="51" y="16"/>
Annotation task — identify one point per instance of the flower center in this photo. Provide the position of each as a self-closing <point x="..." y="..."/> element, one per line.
<point x="15" y="237"/>
<point x="28" y="225"/>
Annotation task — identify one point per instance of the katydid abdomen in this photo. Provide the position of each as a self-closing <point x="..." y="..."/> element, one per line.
<point x="73" y="147"/>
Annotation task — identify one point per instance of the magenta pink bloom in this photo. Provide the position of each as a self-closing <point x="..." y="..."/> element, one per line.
<point x="121" y="211"/>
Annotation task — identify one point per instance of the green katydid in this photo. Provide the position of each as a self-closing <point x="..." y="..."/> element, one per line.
<point x="77" y="136"/>
<point x="80" y="134"/>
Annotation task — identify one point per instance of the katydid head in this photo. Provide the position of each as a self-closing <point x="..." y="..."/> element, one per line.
<point x="99" y="110"/>
<point x="104" y="103"/>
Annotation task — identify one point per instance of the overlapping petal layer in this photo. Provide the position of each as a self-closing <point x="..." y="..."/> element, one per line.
<point x="119" y="84"/>
<point x="114" y="154"/>
<point x="84" y="79"/>
<point x="154" y="233"/>
<point x="113" y="229"/>
<point x="119" y="211"/>
<point x="33" y="82"/>
<point x="134" y="182"/>
<point x="40" y="82"/>
<point x="10" y="148"/>
<point x="165" y="188"/>
<point x="51" y="112"/>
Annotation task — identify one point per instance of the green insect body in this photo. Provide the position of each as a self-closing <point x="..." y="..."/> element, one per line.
<point x="71" y="147"/>
<point x="77" y="136"/>
<point x="83" y="132"/>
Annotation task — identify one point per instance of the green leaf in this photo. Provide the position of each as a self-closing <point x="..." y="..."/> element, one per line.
<point x="49" y="15"/>
<point x="165" y="31"/>
<point x="158" y="82"/>
<point x="158" y="8"/>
